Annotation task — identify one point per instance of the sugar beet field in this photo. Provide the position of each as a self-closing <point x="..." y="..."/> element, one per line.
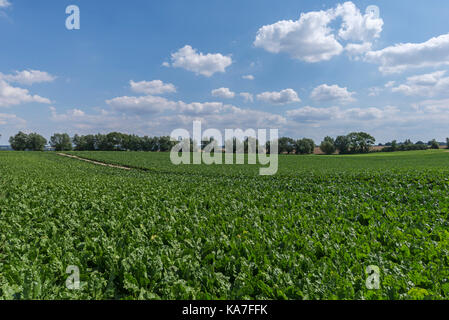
<point x="161" y="231"/>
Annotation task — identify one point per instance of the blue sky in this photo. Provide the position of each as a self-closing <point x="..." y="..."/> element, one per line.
<point x="231" y="64"/>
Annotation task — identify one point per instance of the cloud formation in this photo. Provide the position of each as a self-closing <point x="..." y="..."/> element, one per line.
<point x="311" y="38"/>
<point x="248" y="97"/>
<point x="211" y="114"/>
<point x="28" y="77"/>
<point x="141" y="105"/>
<point x="102" y="120"/>
<point x="199" y="63"/>
<point x="311" y="114"/>
<point x="405" y="56"/>
<point x="152" y="87"/>
<point x="279" y="98"/>
<point x="325" y="92"/>
<point x="438" y="107"/>
<point x="355" y="26"/>
<point x="356" y="51"/>
<point x="248" y="77"/>
<point x="11" y="96"/>
<point x="223" y="93"/>
<point x="4" y="3"/>
<point x="430" y="85"/>
<point x="7" y="119"/>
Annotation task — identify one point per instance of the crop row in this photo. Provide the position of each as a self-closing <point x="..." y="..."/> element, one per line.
<point x="207" y="232"/>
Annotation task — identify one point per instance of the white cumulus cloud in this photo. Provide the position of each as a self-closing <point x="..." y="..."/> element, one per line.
<point x="356" y="51"/>
<point x="311" y="38"/>
<point x="223" y="93"/>
<point x="145" y="105"/>
<point x="11" y="96"/>
<point x="355" y="26"/>
<point x="141" y="105"/>
<point x="430" y="84"/>
<point x="325" y="92"/>
<point x="28" y="77"/>
<point x="152" y="87"/>
<point x="405" y="56"/>
<point x="204" y="64"/>
<point x="282" y="97"/>
<point x="200" y="108"/>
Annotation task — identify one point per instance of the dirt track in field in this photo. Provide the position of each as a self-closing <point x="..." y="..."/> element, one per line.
<point x="93" y="162"/>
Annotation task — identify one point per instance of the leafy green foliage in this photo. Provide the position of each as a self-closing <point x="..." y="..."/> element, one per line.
<point x="328" y="145"/>
<point x="206" y="232"/>
<point x="286" y="145"/>
<point x="305" y="146"/>
<point x="407" y="145"/>
<point x="342" y="144"/>
<point x="360" y="142"/>
<point x="23" y="141"/>
<point x="434" y="144"/>
<point x="355" y="142"/>
<point x="116" y="141"/>
<point x="61" y="142"/>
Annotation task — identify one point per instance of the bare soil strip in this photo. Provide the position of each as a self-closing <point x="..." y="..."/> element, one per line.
<point x="94" y="162"/>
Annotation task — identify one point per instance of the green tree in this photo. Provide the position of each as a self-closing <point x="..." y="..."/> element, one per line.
<point x="286" y="144"/>
<point x="114" y="141"/>
<point x="447" y="143"/>
<point x="165" y="144"/>
<point x="360" y="142"/>
<point x="61" y="142"/>
<point x="342" y="144"/>
<point x="103" y="143"/>
<point x="408" y="142"/>
<point x="328" y="145"/>
<point x="394" y="145"/>
<point x="305" y="146"/>
<point x="89" y="143"/>
<point x="36" y="142"/>
<point x="150" y="143"/>
<point x="19" y="142"/>
<point x="434" y="144"/>
<point x="132" y="142"/>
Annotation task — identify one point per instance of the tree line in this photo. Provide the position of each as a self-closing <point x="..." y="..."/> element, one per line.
<point x="408" y="145"/>
<point x="114" y="141"/>
<point x="353" y="143"/>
